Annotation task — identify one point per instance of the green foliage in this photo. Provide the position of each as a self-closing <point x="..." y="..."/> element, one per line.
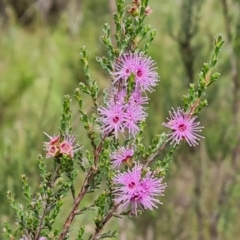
<point x="194" y="101"/>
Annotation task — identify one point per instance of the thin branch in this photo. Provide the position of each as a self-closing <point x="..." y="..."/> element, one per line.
<point x="38" y="232"/>
<point x="73" y="212"/>
<point x="103" y="222"/>
<point x="85" y="209"/>
<point x="152" y="157"/>
<point x="83" y="191"/>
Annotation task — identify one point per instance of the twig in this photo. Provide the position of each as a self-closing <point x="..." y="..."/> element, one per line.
<point x="84" y="209"/>
<point x="45" y="211"/>
<point x="104" y="221"/>
<point x="152" y="157"/>
<point x="56" y="174"/>
<point x="98" y="150"/>
<point x="83" y="191"/>
<point x="73" y="212"/>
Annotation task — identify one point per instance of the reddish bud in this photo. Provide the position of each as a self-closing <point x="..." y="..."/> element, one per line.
<point x="148" y="11"/>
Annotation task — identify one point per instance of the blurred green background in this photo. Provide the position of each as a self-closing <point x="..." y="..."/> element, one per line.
<point x="39" y="62"/>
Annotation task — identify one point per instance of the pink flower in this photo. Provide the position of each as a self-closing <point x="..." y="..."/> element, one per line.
<point x="53" y="139"/>
<point x="55" y="146"/>
<point x="183" y="128"/>
<point x="138" y="191"/>
<point x="112" y="118"/>
<point x="138" y="98"/>
<point x="118" y="116"/>
<point x="150" y="188"/>
<point x="51" y="147"/>
<point x="148" y="11"/>
<point x="140" y="66"/>
<point x="116" y="95"/>
<point x="133" y="116"/>
<point x="124" y="66"/>
<point x="146" y="76"/>
<point x="123" y="154"/>
<point x="52" y="151"/>
<point x="67" y="146"/>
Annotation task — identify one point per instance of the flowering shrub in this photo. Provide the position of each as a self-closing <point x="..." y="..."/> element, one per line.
<point x="128" y="173"/>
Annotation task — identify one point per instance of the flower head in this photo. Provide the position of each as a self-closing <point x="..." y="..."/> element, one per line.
<point x="112" y="118"/>
<point x="124" y="67"/>
<point x="148" y="11"/>
<point x="51" y="147"/>
<point x="183" y="127"/>
<point x="123" y="154"/>
<point x="138" y="98"/>
<point x="114" y="95"/>
<point x="56" y="147"/>
<point x="140" y="66"/>
<point x="133" y="115"/>
<point x="67" y="146"/>
<point x="138" y="191"/>
<point x="146" y="76"/>
<point x="52" y="151"/>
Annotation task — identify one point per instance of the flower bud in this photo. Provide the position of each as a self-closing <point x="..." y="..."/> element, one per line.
<point x="148" y="11"/>
<point x="134" y="11"/>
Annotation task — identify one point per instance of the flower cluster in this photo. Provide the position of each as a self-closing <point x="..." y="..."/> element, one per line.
<point x="135" y="8"/>
<point x="55" y="146"/>
<point x="133" y="75"/>
<point x="138" y="190"/>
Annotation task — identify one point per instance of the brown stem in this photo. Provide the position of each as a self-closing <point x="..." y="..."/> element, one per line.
<point x="73" y="212"/>
<point x="37" y="235"/>
<point x="56" y="174"/>
<point x="82" y="192"/>
<point x="84" y="209"/>
<point x="194" y="106"/>
<point x="98" y="151"/>
<point x="103" y="222"/>
<point x="73" y="193"/>
<point x="151" y="158"/>
<point x="45" y="211"/>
